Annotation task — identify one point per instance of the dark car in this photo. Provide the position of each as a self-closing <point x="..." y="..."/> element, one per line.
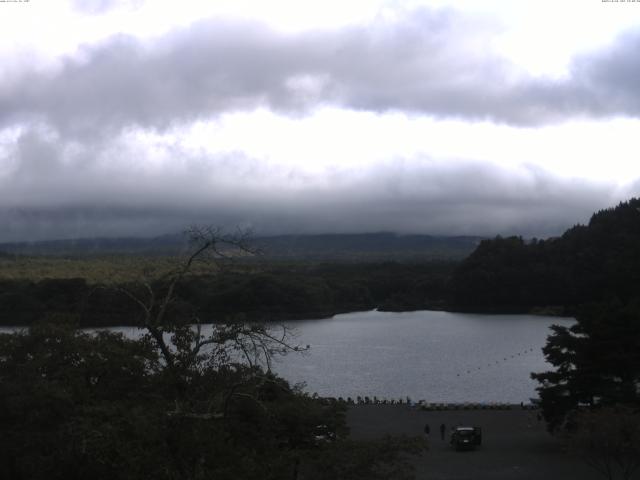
<point x="466" y="438"/>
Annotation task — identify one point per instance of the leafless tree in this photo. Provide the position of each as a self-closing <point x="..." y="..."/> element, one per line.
<point x="181" y="341"/>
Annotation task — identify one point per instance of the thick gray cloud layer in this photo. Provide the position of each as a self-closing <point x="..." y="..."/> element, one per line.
<point x="66" y="195"/>
<point x="67" y="176"/>
<point x="429" y="62"/>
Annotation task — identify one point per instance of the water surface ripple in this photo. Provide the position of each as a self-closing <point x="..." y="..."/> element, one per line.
<point x="436" y="356"/>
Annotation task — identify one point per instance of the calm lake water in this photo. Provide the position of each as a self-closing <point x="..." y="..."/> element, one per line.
<point x="435" y="356"/>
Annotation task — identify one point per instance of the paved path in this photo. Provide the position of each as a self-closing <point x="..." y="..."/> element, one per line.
<point x="515" y="444"/>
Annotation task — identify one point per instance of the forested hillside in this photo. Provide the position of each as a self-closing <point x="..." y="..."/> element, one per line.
<point x="588" y="263"/>
<point x="259" y="292"/>
<point x="599" y="261"/>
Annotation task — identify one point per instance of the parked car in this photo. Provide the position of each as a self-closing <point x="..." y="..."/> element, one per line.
<point x="466" y="438"/>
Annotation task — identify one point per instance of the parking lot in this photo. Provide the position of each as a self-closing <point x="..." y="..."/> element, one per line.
<point x="515" y="444"/>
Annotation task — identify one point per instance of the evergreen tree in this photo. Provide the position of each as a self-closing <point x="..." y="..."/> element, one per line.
<point x="596" y="360"/>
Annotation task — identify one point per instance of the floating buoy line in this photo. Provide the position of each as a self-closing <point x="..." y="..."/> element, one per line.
<point x="495" y="363"/>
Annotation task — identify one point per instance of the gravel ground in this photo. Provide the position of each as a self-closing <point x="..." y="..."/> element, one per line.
<point x="515" y="445"/>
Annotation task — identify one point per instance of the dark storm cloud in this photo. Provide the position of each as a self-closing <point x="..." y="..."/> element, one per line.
<point x="47" y="195"/>
<point x="71" y="173"/>
<point x="433" y="62"/>
<point x="609" y="79"/>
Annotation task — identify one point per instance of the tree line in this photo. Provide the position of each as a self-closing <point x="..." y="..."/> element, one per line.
<point x="265" y="291"/>
<point x="596" y="262"/>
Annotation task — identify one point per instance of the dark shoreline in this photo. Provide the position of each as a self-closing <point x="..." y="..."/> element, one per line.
<point x="280" y="317"/>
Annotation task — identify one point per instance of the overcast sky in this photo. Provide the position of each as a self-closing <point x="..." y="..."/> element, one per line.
<point x="445" y="117"/>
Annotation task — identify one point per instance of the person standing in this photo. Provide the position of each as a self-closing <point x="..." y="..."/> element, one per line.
<point x="443" y="427"/>
<point x="427" y="431"/>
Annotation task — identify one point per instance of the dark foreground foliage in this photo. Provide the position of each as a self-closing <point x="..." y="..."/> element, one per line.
<point x="608" y="439"/>
<point x="596" y="360"/>
<point x="76" y="405"/>
<point x="593" y="395"/>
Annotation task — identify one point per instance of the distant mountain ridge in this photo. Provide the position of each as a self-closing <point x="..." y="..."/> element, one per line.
<point x="383" y="245"/>
<point x="166" y="244"/>
<point x="368" y="245"/>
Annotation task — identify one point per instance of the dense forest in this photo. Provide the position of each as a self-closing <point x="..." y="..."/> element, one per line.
<point x="588" y="263"/>
<point x="599" y="261"/>
<point x="240" y="291"/>
<point x="289" y="277"/>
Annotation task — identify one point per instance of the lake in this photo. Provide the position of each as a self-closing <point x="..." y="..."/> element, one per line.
<point x="435" y="356"/>
<point x="430" y="355"/>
